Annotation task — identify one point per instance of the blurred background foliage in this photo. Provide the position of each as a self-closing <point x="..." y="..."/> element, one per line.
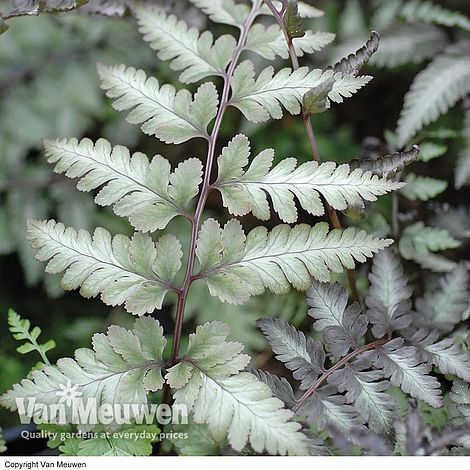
<point x="49" y="88"/>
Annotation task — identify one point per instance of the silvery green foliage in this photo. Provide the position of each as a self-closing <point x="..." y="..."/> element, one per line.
<point x="341" y="326"/>
<point x="244" y="189"/>
<point x="133" y="271"/>
<point x="365" y="390"/>
<point x="224" y="11"/>
<point x="422" y="188"/>
<point x="209" y="377"/>
<point x="388" y="298"/>
<point x="421" y="244"/>
<point x="270" y="43"/>
<point x="21" y="331"/>
<point x="444" y="354"/>
<point x="409" y="43"/>
<point x="139" y="271"/>
<point x="236" y="266"/>
<point x="327" y="408"/>
<point x="431" y="150"/>
<point x="405" y="369"/>
<point x="444" y="307"/>
<point x="350" y="384"/>
<point x="426" y="11"/>
<point x="196" y="55"/>
<point x="435" y="90"/>
<point x="173" y="117"/>
<point x="146" y="192"/>
<point x="302" y="355"/>
<point x="262" y="98"/>
<point x="123" y="366"/>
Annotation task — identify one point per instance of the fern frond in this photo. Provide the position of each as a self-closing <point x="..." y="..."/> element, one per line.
<point x="300" y="354"/>
<point x="422" y="188"/>
<point x="235" y="266"/>
<point x="388" y="298"/>
<point x="434" y="262"/>
<point x="445" y="307"/>
<point x="232" y="403"/>
<point x="420" y="244"/>
<point x="427" y="12"/>
<point x="174" y="117"/>
<point x="269" y="42"/>
<point x="436" y="89"/>
<point x="196" y="55"/>
<point x="326" y="408"/>
<point x="366" y="392"/>
<point x="261" y="99"/>
<point x="353" y="63"/>
<point x="409" y="44"/>
<point x="430" y="150"/>
<point x="145" y="192"/>
<point x="402" y="365"/>
<point x="462" y="169"/>
<point x="120" y="369"/>
<point x="134" y="271"/>
<point x="341" y="326"/>
<point x="444" y="354"/>
<point x="224" y="11"/>
<point x="388" y="166"/>
<point x="245" y="190"/>
<point x="418" y="241"/>
<point x="20" y="329"/>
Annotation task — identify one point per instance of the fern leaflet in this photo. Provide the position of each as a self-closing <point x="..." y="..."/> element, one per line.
<point x="134" y="271"/>
<point x="436" y="89"/>
<point x="245" y="190"/>
<point x="174" y="117"/>
<point x="144" y="191"/>
<point x="235" y="266"/>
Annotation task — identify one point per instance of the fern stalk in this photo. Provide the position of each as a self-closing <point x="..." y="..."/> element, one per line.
<point x="332" y="215"/>
<point x="308" y="393"/>
<point x="206" y="186"/>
